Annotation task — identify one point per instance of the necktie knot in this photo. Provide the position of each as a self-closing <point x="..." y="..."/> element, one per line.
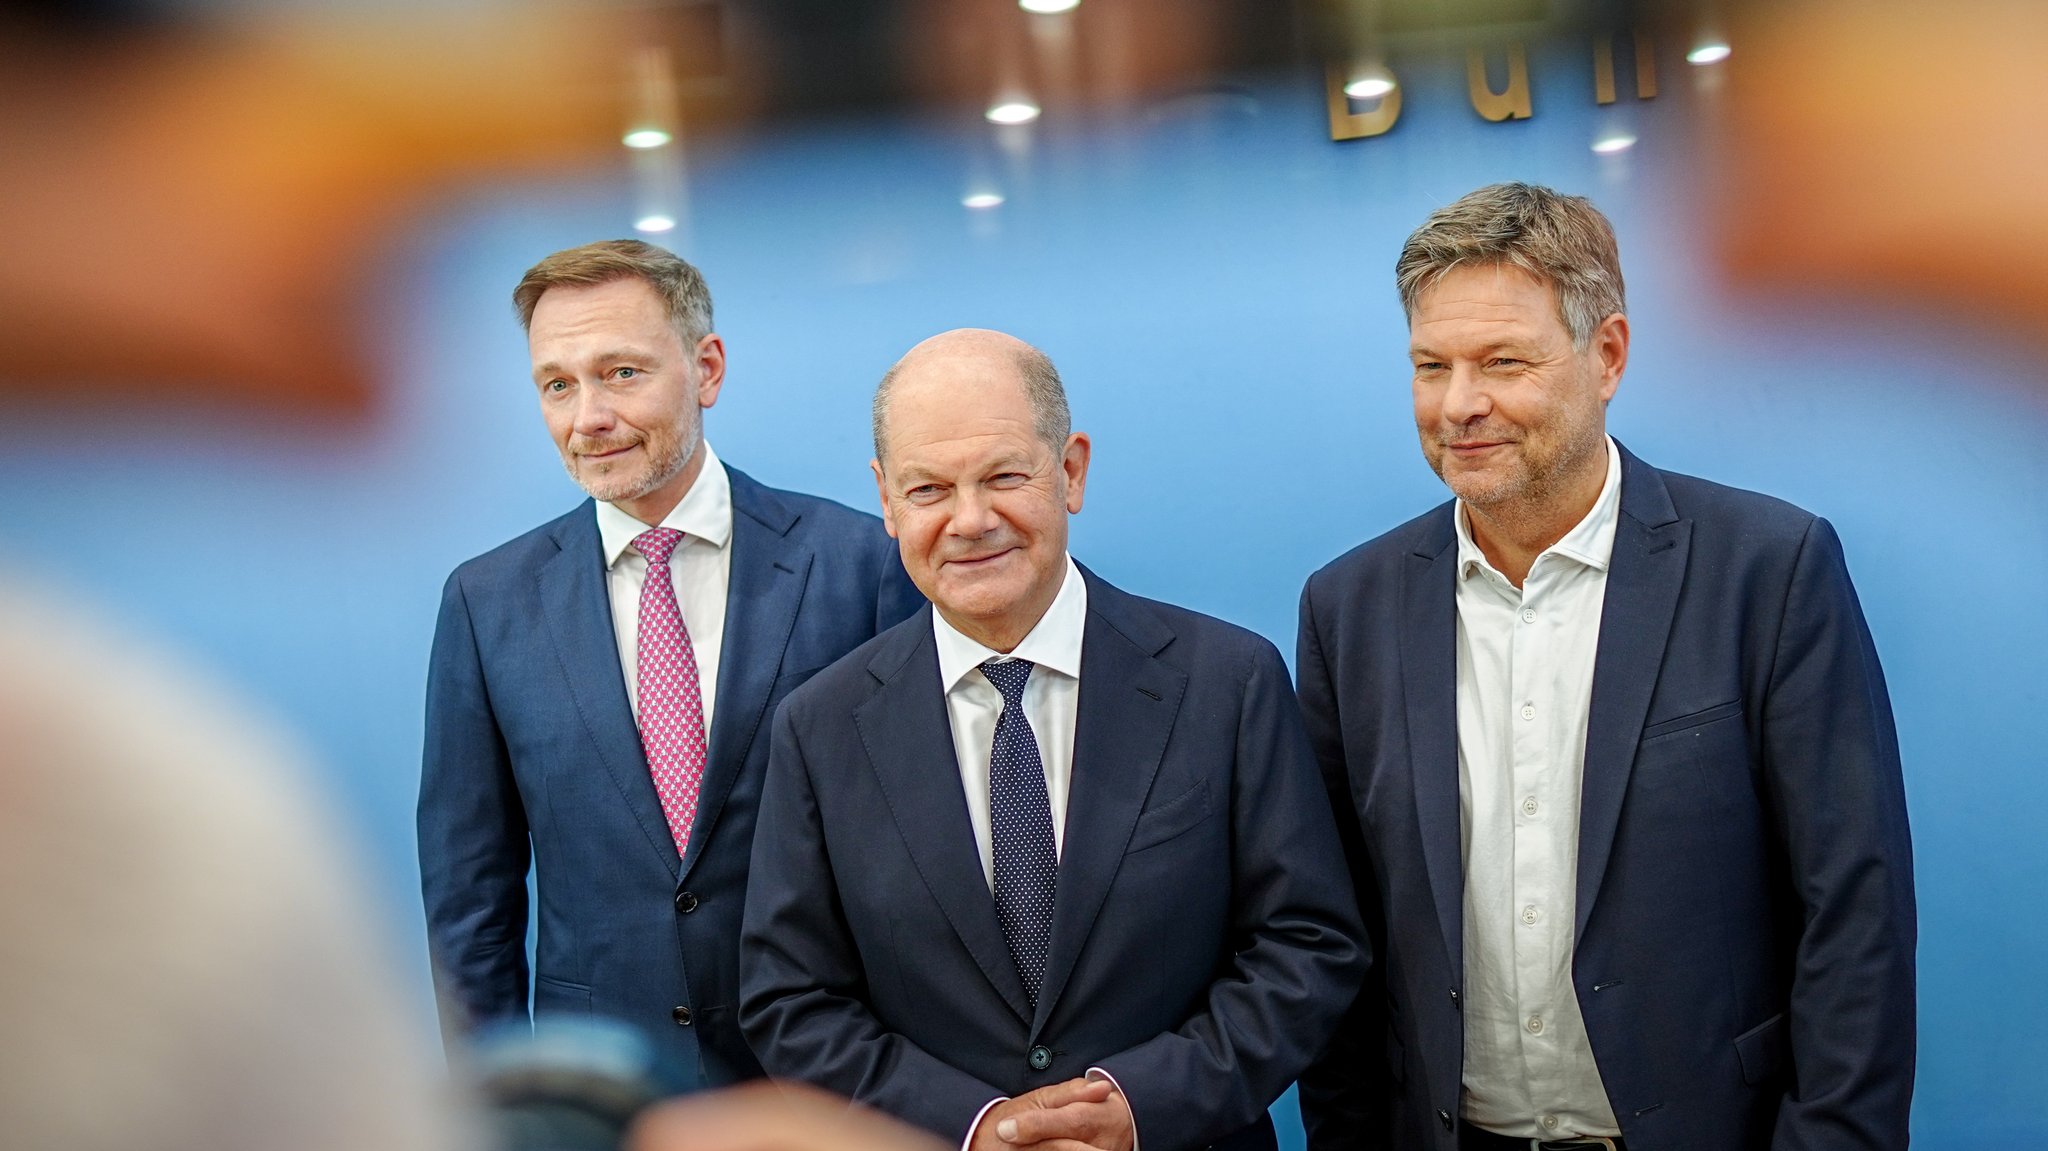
<point x="1009" y="677"/>
<point x="657" y="544"/>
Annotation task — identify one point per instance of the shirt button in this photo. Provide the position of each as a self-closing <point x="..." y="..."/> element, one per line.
<point x="1529" y="914"/>
<point x="1550" y="1122"/>
<point x="1529" y="806"/>
<point x="1529" y="711"/>
<point x="1528" y="615"/>
<point x="1535" y="1025"/>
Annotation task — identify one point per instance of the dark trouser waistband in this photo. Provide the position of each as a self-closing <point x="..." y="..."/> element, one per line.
<point x="1472" y="1138"/>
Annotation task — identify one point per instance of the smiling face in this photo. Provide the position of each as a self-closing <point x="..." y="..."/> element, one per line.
<point x="622" y="395"/>
<point x="1511" y="415"/>
<point x="977" y="501"/>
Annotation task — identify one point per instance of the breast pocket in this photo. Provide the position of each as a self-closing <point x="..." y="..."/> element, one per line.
<point x="1704" y="754"/>
<point x="1172" y="819"/>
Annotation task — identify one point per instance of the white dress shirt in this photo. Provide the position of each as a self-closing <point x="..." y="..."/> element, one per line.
<point x="1051" y="701"/>
<point x="1525" y="684"/>
<point x="701" y="568"/>
<point x="1050" y="696"/>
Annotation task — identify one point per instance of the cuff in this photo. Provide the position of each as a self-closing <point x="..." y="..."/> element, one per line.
<point x="975" y="1125"/>
<point x="1104" y="1075"/>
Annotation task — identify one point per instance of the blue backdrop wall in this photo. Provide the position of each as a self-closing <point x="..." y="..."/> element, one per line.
<point x="1213" y="277"/>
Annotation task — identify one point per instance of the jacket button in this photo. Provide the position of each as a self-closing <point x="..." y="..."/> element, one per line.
<point x="686" y="901"/>
<point x="1041" y="1058"/>
<point x="681" y="1015"/>
<point x="1444" y="1117"/>
<point x="1455" y="1005"/>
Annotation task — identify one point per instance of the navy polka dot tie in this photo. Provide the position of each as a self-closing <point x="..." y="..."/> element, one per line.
<point x="1020" y="829"/>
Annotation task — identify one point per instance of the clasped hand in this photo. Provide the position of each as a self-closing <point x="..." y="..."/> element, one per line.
<point x="1077" y="1115"/>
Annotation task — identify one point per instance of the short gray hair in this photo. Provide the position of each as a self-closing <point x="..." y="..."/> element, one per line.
<point x="678" y="282"/>
<point x="1561" y="240"/>
<point x="1050" y="416"/>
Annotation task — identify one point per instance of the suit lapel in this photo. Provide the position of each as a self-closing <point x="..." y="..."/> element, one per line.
<point x="766" y="584"/>
<point x="1124" y="716"/>
<point x="577" y="606"/>
<point x="1429" y="662"/>
<point x="1644" y="577"/>
<point x="907" y="735"/>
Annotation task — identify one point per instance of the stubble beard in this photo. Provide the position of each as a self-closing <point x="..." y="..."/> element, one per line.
<point x="668" y="455"/>
<point x="1528" y="497"/>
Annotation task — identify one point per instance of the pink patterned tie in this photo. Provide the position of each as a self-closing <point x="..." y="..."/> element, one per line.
<point x="671" y="700"/>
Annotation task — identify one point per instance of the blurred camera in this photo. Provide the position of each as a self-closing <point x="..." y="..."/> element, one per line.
<point x="567" y="1083"/>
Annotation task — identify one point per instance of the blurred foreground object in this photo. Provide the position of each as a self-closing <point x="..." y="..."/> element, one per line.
<point x="568" y="1083"/>
<point x="1892" y="146"/>
<point x="185" y="964"/>
<point x="198" y="207"/>
<point x="775" y="1117"/>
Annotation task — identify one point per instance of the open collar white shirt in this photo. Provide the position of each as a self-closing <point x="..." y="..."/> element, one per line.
<point x="1051" y="697"/>
<point x="1525" y="687"/>
<point x="701" y="568"/>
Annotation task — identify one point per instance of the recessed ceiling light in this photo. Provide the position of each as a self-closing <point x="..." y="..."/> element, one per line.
<point x="1609" y="145"/>
<point x="982" y="200"/>
<point x="1370" y="88"/>
<point x="1048" y="7"/>
<point x="654" y="223"/>
<point x="1013" y="112"/>
<point x="646" y="138"/>
<point x="1708" y="54"/>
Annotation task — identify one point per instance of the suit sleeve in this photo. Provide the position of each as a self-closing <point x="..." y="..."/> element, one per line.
<point x="803" y="989"/>
<point x="1344" y="1093"/>
<point x="1297" y="952"/>
<point x="472" y="835"/>
<point x="1832" y="774"/>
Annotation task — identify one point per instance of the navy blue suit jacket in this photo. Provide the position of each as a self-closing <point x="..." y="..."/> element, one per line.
<point x="1745" y="919"/>
<point x="1204" y="940"/>
<point x="532" y="754"/>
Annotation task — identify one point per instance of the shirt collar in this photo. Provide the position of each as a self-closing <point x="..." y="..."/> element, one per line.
<point x="1053" y="642"/>
<point x="704" y="512"/>
<point x="1590" y="542"/>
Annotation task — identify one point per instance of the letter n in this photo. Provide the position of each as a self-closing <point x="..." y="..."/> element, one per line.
<point x="1603" y="68"/>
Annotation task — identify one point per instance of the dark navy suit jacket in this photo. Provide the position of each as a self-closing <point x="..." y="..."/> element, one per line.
<point x="1204" y="940"/>
<point x="532" y="754"/>
<point x="1745" y="917"/>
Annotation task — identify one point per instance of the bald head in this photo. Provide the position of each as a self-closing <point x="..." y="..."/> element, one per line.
<point x="979" y="477"/>
<point x="965" y="359"/>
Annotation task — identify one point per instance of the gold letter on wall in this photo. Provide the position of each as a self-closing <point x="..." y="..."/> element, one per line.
<point x="1497" y="106"/>
<point x="1348" y="125"/>
<point x="1603" y="69"/>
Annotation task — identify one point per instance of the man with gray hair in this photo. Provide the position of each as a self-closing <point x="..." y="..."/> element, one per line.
<point x="1050" y="862"/>
<point x="1612" y="756"/>
<point x="598" y="685"/>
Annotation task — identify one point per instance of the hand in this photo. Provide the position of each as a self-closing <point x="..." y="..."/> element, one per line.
<point x="773" y="1117"/>
<point x="1077" y="1115"/>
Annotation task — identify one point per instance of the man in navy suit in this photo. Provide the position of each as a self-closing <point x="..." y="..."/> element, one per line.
<point x="1050" y="862"/>
<point x="1612" y="756"/>
<point x="598" y="684"/>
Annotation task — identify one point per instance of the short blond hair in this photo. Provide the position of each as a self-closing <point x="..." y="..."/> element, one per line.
<point x="678" y="282"/>
<point x="1561" y="240"/>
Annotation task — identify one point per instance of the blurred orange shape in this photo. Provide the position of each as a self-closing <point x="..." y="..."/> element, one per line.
<point x="200" y="212"/>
